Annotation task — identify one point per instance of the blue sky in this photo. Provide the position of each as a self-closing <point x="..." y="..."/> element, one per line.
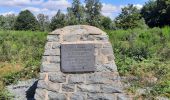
<point x="111" y="8"/>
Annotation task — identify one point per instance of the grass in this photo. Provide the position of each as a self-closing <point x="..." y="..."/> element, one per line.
<point x="20" y="56"/>
<point x="143" y="56"/>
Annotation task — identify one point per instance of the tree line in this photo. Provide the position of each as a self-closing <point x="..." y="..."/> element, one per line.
<point x="155" y="13"/>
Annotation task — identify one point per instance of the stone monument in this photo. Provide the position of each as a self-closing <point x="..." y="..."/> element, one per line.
<point x="78" y="64"/>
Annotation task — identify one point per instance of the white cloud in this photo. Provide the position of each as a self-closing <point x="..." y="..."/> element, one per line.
<point x="8" y="13"/>
<point x="138" y="6"/>
<point x="56" y="4"/>
<point x="109" y="10"/>
<point x="13" y="3"/>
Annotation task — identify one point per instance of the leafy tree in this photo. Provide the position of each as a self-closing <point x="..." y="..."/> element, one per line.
<point x="93" y="12"/>
<point x="7" y="22"/>
<point x="106" y="23"/>
<point x="156" y="13"/>
<point x="76" y="12"/>
<point x="58" y="21"/>
<point x="44" y="22"/>
<point x="130" y="17"/>
<point x="26" y="21"/>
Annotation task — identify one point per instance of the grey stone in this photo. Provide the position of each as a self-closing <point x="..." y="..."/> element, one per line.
<point x="54" y="59"/>
<point x="52" y="52"/>
<point x="48" y="46"/>
<point x="42" y="76"/>
<point x="23" y="90"/>
<point x="56" y="96"/>
<point x="92" y="88"/>
<point x="162" y="98"/>
<point x="111" y="88"/>
<point x="99" y="96"/>
<point x="57" y="77"/>
<point x="68" y="87"/>
<point x="78" y="96"/>
<point x="40" y="94"/>
<point x="110" y="58"/>
<point x="107" y="45"/>
<point x="101" y="78"/>
<point x="123" y="97"/>
<point x="50" y="67"/>
<point x="48" y="86"/>
<point x="55" y="45"/>
<point x="71" y="37"/>
<point x="76" y="78"/>
<point x="106" y="51"/>
<point x="86" y="37"/>
<point x="53" y="38"/>
<point x="102" y="37"/>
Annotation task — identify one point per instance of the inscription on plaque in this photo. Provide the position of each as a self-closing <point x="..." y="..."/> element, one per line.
<point x="77" y="58"/>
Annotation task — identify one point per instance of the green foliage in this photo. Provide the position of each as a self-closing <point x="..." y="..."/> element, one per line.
<point x="130" y="17"/>
<point x="44" y="22"/>
<point x="19" y="47"/>
<point x="58" y="21"/>
<point x="26" y="21"/>
<point x="106" y="23"/>
<point x="145" y="55"/>
<point x="7" y="22"/>
<point x="156" y="12"/>
<point x="93" y="12"/>
<point x="76" y="13"/>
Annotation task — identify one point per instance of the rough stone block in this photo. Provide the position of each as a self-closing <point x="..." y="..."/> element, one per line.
<point x="50" y="67"/>
<point x="111" y="88"/>
<point x="123" y="97"/>
<point x="56" y="96"/>
<point x="55" y="45"/>
<point x="71" y="37"/>
<point x="57" y="77"/>
<point x="42" y="76"/>
<point x="51" y="59"/>
<point x="78" y="96"/>
<point x="48" y="45"/>
<point x="40" y="94"/>
<point x="53" y="38"/>
<point x="68" y="87"/>
<point x="101" y="37"/>
<point x="99" y="96"/>
<point x="92" y="88"/>
<point x="107" y="51"/>
<point x="52" y="52"/>
<point x="97" y="78"/>
<point x="48" y="86"/>
<point x="76" y="79"/>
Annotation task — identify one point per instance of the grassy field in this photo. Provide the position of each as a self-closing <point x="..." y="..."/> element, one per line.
<point x="20" y="56"/>
<point x="143" y="56"/>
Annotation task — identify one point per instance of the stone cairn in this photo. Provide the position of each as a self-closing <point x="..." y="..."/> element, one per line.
<point x="101" y="84"/>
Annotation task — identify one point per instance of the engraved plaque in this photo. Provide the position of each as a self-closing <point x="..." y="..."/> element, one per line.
<point x="77" y="58"/>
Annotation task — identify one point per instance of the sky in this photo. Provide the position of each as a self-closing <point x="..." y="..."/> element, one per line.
<point x="111" y="8"/>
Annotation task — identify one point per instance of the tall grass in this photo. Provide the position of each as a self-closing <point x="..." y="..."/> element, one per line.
<point x="20" y="55"/>
<point x="144" y="54"/>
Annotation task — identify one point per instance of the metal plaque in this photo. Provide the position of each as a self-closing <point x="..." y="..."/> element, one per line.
<point x="77" y="58"/>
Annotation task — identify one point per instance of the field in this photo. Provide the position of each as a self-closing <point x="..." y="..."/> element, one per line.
<point x="142" y="57"/>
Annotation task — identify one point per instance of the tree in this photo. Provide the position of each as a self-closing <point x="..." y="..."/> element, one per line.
<point x="77" y="12"/>
<point x="7" y="22"/>
<point x="156" y="13"/>
<point x="58" y="21"/>
<point x="26" y="21"/>
<point x="106" y="23"/>
<point x="130" y="17"/>
<point x="44" y="22"/>
<point x="93" y="12"/>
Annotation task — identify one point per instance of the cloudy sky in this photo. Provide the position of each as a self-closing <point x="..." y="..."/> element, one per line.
<point x="110" y="8"/>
